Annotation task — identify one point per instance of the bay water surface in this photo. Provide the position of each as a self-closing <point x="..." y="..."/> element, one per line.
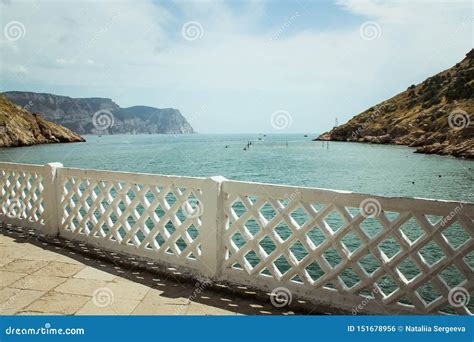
<point x="282" y="159"/>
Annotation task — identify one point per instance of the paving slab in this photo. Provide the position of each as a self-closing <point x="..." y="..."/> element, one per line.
<point x="58" y="303"/>
<point x="95" y="274"/>
<point x="7" y="278"/>
<point x="85" y="287"/>
<point x="24" y="266"/>
<point x="60" y="269"/>
<point x="37" y="282"/>
<point x="12" y="300"/>
<point x="117" y="306"/>
<point x="128" y="289"/>
<point x="197" y="309"/>
<point x="155" y="309"/>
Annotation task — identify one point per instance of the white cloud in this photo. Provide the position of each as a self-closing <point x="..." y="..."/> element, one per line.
<point x="134" y="53"/>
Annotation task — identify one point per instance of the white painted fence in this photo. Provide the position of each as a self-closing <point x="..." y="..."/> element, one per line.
<point x="367" y="254"/>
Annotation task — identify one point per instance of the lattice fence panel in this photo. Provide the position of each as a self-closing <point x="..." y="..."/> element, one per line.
<point x="400" y="258"/>
<point x="153" y="216"/>
<point x="388" y="255"/>
<point x="21" y="195"/>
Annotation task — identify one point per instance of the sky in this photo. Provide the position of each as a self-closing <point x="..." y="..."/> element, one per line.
<point x="233" y="66"/>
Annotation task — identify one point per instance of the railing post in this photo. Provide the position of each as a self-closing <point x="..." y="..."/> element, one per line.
<point x="212" y="226"/>
<point x="51" y="199"/>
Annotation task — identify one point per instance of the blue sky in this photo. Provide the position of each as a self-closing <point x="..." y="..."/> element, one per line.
<point x="310" y="60"/>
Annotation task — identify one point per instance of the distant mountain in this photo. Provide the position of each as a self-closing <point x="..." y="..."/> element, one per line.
<point x="100" y="115"/>
<point x="18" y="127"/>
<point x="435" y="116"/>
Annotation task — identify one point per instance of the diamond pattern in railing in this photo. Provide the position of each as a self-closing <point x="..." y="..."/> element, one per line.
<point x="21" y="195"/>
<point x="163" y="220"/>
<point x="410" y="257"/>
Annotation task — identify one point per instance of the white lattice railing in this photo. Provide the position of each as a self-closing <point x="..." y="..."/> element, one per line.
<point x="22" y="190"/>
<point x="406" y="254"/>
<point x="147" y="215"/>
<point x="351" y="251"/>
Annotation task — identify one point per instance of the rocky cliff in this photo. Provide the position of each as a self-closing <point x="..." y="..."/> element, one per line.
<point x="434" y="116"/>
<point x="18" y="127"/>
<point x="101" y="115"/>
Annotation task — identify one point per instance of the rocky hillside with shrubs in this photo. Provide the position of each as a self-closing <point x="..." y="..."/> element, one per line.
<point x="18" y="127"/>
<point x="434" y="116"/>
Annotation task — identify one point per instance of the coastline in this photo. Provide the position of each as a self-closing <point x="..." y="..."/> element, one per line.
<point x="461" y="151"/>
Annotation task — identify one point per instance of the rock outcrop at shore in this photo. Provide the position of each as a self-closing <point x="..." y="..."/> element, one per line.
<point x="18" y="127"/>
<point x="97" y="115"/>
<point x="434" y="116"/>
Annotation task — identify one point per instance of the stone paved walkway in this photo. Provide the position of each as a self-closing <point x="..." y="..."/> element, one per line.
<point x="41" y="278"/>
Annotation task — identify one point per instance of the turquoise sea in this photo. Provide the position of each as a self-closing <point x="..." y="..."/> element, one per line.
<point x="286" y="159"/>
